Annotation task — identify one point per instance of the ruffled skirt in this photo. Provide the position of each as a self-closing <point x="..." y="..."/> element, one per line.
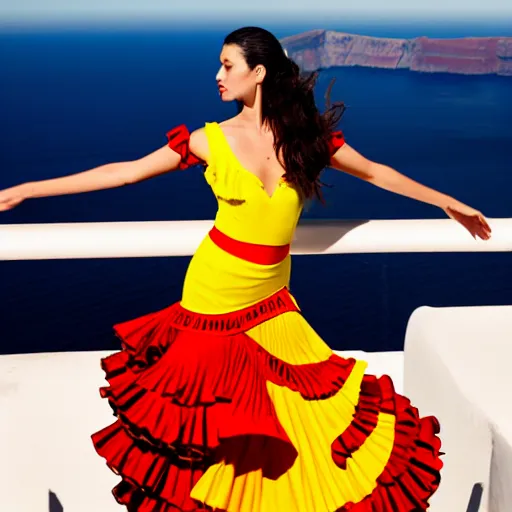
<point x="250" y="411"/>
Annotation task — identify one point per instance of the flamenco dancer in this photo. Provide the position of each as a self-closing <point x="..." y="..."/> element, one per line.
<point x="228" y="400"/>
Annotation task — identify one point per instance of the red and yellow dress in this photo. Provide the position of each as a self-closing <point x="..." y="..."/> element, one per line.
<point x="229" y="400"/>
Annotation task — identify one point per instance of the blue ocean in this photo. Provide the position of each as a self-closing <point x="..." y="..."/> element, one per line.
<point x="76" y="98"/>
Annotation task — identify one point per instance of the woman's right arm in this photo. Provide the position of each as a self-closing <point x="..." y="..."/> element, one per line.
<point x="110" y="175"/>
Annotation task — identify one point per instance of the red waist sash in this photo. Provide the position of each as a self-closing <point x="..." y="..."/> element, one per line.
<point x="255" y="253"/>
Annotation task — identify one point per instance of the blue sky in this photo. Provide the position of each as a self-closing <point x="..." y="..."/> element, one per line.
<point x="205" y="10"/>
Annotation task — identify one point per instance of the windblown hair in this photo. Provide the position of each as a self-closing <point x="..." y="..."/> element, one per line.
<point x="301" y="132"/>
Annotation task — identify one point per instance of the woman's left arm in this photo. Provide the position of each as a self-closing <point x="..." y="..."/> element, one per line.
<point x="348" y="160"/>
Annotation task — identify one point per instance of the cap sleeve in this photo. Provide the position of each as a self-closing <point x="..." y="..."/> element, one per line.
<point x="335" y="142"/>
<point x="178" y="139"/>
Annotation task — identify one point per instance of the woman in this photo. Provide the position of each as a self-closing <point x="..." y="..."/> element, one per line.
<point x="228" y="400"/>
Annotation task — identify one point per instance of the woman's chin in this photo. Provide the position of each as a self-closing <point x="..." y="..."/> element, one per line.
<point x="225" y="96"/>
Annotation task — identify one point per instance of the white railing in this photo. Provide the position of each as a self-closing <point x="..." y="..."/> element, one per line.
<point x="181" y="238"/>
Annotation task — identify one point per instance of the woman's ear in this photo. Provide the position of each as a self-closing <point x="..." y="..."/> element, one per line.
<point x="260" y="73"/>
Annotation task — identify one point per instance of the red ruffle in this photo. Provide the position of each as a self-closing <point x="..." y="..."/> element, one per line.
<point x="136" y="500"/>
<point x="178" y="139"/>
<point x="183" y="397"/>
<point x="363" y="424"/>
<point x="167" y="401"/>
<point x="335" y="142"/>
<point x="412" y="473"/>
<point x="152" y="481"/>
<point x="186" y="399"/>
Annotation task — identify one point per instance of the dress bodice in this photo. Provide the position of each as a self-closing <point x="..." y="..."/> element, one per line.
<point x="246" y="211"/>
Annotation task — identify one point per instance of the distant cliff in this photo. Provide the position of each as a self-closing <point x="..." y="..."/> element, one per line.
<point x="470" y="55"/>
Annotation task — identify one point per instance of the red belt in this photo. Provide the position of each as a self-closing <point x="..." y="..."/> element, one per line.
<point x="255" y="253"/>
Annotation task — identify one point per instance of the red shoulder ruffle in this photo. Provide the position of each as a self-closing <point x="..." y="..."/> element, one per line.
<point x="335" y="142"/>
<point x="179" y="140"/>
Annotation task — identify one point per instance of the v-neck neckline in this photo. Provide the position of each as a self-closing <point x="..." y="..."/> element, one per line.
<point x="257" y="178"/>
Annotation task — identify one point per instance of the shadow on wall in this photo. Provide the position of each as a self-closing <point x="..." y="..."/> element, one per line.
<point x="475" y="500"/>
<point x="55" y="504"/>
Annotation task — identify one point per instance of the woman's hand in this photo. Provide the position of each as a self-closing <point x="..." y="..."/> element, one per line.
<point x="471" y="219"/>
<point x="11" y="197"/>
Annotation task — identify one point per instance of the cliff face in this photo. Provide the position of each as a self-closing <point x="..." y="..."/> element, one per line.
<point x="470" y="55"/>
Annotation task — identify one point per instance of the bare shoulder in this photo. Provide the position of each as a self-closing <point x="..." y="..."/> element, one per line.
<point x="199" y="144"/>
<point x="199" y="141"/>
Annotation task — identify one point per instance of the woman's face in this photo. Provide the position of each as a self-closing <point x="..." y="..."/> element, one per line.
<point x="235" y="80"/>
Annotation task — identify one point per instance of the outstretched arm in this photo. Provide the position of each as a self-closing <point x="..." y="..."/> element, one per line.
<point x="180" y="151"/>
<point x="348" y="160"/>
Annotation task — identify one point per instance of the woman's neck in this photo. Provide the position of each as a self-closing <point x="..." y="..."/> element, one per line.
<point x="252" y="112"/>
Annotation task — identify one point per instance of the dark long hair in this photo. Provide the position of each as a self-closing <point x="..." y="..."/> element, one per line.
<point x="301" y="132"/>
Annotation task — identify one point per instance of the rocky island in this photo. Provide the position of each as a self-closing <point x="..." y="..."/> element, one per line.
<point x="320" y="49"/>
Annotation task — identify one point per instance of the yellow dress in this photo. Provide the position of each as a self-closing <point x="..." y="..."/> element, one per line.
<point x="230" y="401"/>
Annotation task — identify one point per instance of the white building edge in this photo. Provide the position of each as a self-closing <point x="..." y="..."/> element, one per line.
<point x="455" y="365"/>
